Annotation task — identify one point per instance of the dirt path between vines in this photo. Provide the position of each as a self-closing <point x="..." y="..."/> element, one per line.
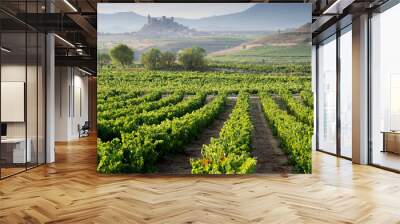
<point x="270" y="158"/>
<point x="180" y="163"/>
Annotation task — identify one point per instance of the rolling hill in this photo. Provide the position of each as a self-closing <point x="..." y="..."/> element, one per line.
<point x="293" y="37"/>
<point x="293" y="45"/>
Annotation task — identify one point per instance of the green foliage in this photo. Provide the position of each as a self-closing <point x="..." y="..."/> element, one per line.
<point x="195" y="81"/>
<point x="127" y="99"/>
<point x="155" y="59"/>
<point x="192" y="58"/>
<point x="122" y="55"/>
<point x="231" y="152"/>
<point x="267" y="54"/>
<point x="138" y="151"/>
<point x="152" y="59"/>
<point x="168" y="59"/>
<point x="148" y="105"/>
<point x="307" y="97"/>
<point x="103" y="59"/>
<point x="295" y="136"/>
<point x="110" y="129"/>
<point x="296" y="108"/>
<point x="276" y="69"/>
<point x="109" y="160"/>
<point x="144" y="115"/>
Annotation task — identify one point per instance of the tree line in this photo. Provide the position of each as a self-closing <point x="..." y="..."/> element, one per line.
<point x="154" y="59"/>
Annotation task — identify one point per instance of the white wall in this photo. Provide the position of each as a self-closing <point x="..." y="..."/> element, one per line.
<point x="33" y="126"/>
<point x="70" y="83"/>
<point x="80" y="84"/>
<point x="62" y="83"/>
<point x="12" y="73"/>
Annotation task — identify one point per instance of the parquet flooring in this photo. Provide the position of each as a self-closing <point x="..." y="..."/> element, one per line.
<point x="70" y="191"/>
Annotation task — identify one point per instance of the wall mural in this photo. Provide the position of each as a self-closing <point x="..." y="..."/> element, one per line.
<point x="194" y="89"/>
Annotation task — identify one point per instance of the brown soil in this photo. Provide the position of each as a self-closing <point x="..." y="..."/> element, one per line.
<point x="180" y="163"/>
<point x="270" y="158"/>
<point x="280" y="103"/>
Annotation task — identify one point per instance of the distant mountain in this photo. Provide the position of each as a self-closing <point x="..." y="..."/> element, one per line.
<point x="273" y="16"/>
<point x="121" y="22"/>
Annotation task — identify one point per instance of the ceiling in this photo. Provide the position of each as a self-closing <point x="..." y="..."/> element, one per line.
<point x="73" y="21"/>
<point x="330" y="15"/>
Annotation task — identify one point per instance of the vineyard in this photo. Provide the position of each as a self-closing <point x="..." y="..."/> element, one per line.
<point x="205" y="122"/>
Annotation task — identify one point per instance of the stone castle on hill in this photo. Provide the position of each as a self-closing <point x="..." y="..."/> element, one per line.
<point x="162" y="20"/>
<point x="164" y="27"/>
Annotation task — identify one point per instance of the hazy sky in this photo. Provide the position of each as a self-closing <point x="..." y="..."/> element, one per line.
<point x="183" y="10"/>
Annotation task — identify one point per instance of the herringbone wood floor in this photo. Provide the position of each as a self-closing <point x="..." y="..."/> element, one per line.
<point x="70" y="191"/>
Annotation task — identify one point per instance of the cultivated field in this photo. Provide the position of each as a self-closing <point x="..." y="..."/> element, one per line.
<point x="230" y="119"/>
<point x="276" y="54"/>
